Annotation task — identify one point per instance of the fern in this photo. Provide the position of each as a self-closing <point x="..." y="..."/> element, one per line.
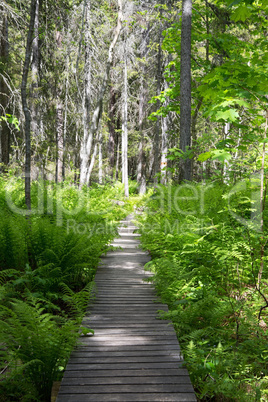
<point x="205" y="267"/>
<point x="33" y="337"/>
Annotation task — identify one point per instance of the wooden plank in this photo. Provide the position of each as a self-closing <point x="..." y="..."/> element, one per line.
<point x="122" y="366"/>
<point x="142" y="348"/>
<point x="123" y="397"/>
<point x="88" y="354"/>
<point x="125" y="359"/>
<point x="165" y="331"/>
<point x="127" y="388"/>
<point x="121" y="342"/>
<point x="134" y="339"/>
<point x="127" y="373"/>
<point x="177" y="379"/>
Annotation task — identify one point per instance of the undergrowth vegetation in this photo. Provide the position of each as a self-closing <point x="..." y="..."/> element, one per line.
<point x="209" y="260"/>
<point x="47" y="267"/>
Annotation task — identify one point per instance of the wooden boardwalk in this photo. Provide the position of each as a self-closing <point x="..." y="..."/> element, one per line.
<point x="133" y="355"/>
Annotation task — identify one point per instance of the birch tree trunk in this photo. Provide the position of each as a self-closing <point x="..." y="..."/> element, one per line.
<point x="157" y="132"/>
<point x="59" y="123"/>
<point x="125" y="131"/>
<point x="185" y="89"/>
<point x="164" y="143"/>
<point x="85" y="155"/>
<point x="100" y="160"/>
<point x="27" y="114"/>
<point x="4" y="91"/>
<point x="87" y="136"/>
<point x="92" y="161"/>
<point x="141" y="168"/>
<point x="35" y="86"/>
<point x="112" y="135"/>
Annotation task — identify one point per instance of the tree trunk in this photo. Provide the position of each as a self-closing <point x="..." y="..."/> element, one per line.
<point x="85" y="156"/>
<point x="4" y="92"/>
<point x="59" y="124"/>
<point x="100" y="159"/>
<point x="185" y="89"/>
<point x="35" y="86"/>
<point x="92" y="161"/>
<point x="59" y="140"/>
<point x="157" y="132"/>
<point x="164" y="143"/>
<point x="125" y="132"/>
<point x="226" y="164"/>
<point x="117" y="159"/>
<point x="141" y="169"/>
<point x="87" y="136"/>
<point x="111" y="145"/>
<point x="27" y="114"/>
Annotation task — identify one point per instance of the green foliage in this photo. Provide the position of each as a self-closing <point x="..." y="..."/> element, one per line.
<point x="47" y="268"/>
<point x="9" y="118"/>
<point x="205" y="245"/>
<point x="36" y="346"/>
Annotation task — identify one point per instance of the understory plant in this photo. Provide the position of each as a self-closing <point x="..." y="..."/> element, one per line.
<point x="207" y="254"/>
<point x="47" y="265"/>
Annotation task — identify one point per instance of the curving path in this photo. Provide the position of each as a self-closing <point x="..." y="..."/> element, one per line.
<point x="133" y="355"/>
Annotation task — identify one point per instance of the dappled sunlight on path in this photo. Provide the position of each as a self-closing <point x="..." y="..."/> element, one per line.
<point x="133" y="355"/>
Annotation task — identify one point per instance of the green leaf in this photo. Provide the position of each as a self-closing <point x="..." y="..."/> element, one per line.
<point x="204" y="156"/>
<point x="227" y="115"/>
<point x="85" y="331"/>
<point x="221" y="155"/>
<point x="241" y="13"/>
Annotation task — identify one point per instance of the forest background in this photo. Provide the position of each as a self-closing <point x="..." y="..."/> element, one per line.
<point x="163" y="105"/>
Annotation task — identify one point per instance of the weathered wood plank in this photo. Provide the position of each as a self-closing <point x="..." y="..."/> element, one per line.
<point x="127" y="348"/>
<point x="178" y="379"/>
<point x="123" y="366"/>
<point x="128" y="373"/>
<point x="123" y="397"/>
<point x="135" y="331"/>
<point x="126" y="388"/>
<point x="91" y="354"/>
<point x="125" y="359"/>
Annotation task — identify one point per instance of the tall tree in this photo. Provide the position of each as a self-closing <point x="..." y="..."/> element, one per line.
<point x="59" y="120"/>
<point x="185" y="89"/>
<point x="112" y="134"/>
<point x="4" y="91"/>
<point x="26" y="110"/>
<point x="125" y="127"/>
<point x="141" y="168"/>
<point x="87" y="136"/>
<point x="35" y="105"/>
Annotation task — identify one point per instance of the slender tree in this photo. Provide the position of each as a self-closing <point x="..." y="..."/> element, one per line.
<point x="4" y="91"/>
<point x="26" y="110"/>
<point x="185" y="88"/>
<point x="125" y="128"/>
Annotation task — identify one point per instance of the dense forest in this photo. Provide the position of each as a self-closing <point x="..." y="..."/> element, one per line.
<point x="107" y="107"/>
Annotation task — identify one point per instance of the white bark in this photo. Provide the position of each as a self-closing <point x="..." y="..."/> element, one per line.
<point x="100" y="160"/>
<point x="125" y="133"/>
<point x="87" y="146"/>
<point x="164" y="144"/>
